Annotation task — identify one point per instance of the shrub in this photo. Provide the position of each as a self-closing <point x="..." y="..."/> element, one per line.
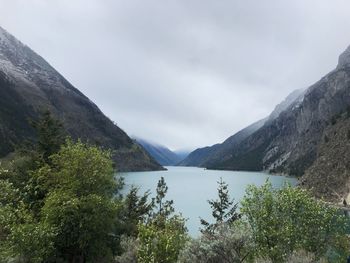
<point x="161" y="243"/>
<point x="129" y="246"/>
<point x="228" y="244"/>
<point x="289" y="219"/>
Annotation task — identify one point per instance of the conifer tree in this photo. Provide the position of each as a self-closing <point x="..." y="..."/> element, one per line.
<point x="223" y="209"/>
<point x="50" y="134"/>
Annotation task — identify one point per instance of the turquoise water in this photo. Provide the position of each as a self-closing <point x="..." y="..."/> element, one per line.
<point x="191" y="187"/>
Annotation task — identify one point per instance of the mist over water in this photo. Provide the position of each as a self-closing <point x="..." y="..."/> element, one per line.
<point x="191" y="187"/>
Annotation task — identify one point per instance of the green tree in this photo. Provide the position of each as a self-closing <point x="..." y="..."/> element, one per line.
<point x="164" y="207"/>
<point x="161" y="244"/>
<point x="163" y="235"/>
<point x="134" y="209"/>
<point x="50" y="135"/>
<point x="289" y="219"/>
<point x="224" y="210"/>
<point x="81" y="204"/>
<point x="21" y="236"/>
<point x="29" y="161"/>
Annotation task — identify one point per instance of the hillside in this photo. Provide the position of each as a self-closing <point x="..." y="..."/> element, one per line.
<point x="329" y="175"/>
<point x="29" y="85"/>
<point x="209" y="156"/>
<point x="202" y="157"/>
<point x="160" y="153"/>
<point x="289" y="143"/>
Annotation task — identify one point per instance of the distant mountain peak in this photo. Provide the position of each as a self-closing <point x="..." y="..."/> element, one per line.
<point x="160" y="153"/>
<point x="295" y="97"/>
<point x="344" y="58"/>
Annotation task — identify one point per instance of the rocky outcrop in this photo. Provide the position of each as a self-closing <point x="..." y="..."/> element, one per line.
<point x="211" y="156"/>
<point x="28" y="85"/>
<point x="329" y="176"/>
<point x="288" y="144"/>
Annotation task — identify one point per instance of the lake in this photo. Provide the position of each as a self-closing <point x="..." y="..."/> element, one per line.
<point x="191" y="187"/>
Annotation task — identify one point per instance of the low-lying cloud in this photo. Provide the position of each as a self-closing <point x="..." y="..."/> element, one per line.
<point x="184" y="73"/>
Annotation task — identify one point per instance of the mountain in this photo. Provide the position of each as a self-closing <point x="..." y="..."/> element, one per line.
<point x="295" y="97"/>
<point x="307" y="135"/>
<point x="203" y="156"/>
<point x="182" y="153"/>
<point x="160" y="153"/>
<point x="329" y="176"/>
<point x="29" y="85"/>
<point x="289" y="143"/>
<point x="211" y="155"/>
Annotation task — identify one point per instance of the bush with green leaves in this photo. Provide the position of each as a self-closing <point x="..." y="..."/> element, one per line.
<point x="129" y="246"/>
<point x="80" y="204"/>
<point x="163" y="235"/>
<point x="21" y="236"/>
<point x="71" y="214"/>
<point x="229" y="243"/>
<point x="289" y="219"/>
<point x="161" y="244"/>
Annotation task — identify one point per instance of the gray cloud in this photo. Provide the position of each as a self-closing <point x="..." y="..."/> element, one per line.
<point x="184" y="73"/>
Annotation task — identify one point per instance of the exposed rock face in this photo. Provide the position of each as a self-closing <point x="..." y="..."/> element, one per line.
<point x="211" y="156"/>
<point x="344" y="58"/>
<point x="295" y="98"/>
<point x="288" y="144"/>
<point x="329" y="175"/>
<point x="28" y="85"/>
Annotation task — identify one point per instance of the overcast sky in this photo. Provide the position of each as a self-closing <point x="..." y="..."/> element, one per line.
<point x="184" y="73"/>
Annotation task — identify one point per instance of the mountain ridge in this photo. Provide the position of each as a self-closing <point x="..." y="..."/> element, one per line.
<point x="32" y="85"/>
<point x="289" y="143"/>
<point x="208" y="156"/>
<point x="160" y="153"/>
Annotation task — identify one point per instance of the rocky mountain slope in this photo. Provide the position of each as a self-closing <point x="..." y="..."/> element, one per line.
<point x="29" y="85"/>
<point x="203" y="157"/>
<point x="288" y="144"/>
<point x="329" y="176"/>
<point x="209" y="156"/>
<point x="161" y="154"/>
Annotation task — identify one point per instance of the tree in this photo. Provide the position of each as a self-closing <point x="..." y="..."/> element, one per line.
<point x="50" y="135"/>
<point x="21" y="236"/>
<point x="164" y="207"/>
<point x="161" y="244"/>
<point x="163" y="235"/>
<point x="30" y="161"/>
<point x="81" y="204"/>
<point x="223" y="209"/>
<point x="289" y="219"/>
<point x="134" y="210"/>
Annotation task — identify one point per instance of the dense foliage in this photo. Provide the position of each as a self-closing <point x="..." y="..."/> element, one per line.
<point x="289" y="219"/>
<point x="224" y="210"/>
<point x="60" y="202"/>
<point x="163" y="236"/>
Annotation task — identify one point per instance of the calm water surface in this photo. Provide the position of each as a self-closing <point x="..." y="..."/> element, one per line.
<point x="191" y="187"/>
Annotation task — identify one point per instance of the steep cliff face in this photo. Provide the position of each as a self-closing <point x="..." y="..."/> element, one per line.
<point x="28" y="85"/>
<point x="329" y="176"/>
<point x="217" y="155"/>
<point x="288" y="144"/>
